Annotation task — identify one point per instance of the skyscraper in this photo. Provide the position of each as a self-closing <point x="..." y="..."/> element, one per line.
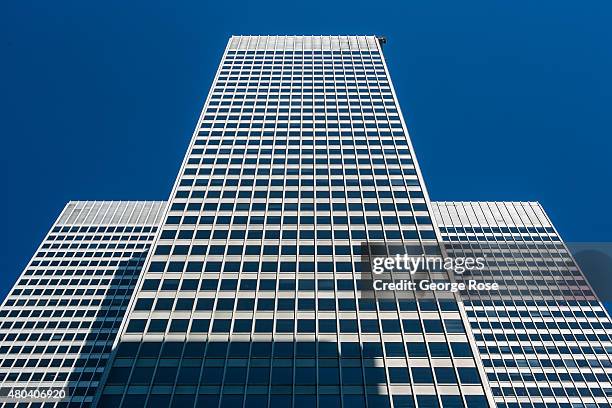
<point x="61" y="318"/>
<point x="250" y="281"/>
<point x="249" y="295"/>
<point x="544" y="338"/>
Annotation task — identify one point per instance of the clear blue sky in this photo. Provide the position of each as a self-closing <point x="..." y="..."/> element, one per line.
<point x="504" y="100"/>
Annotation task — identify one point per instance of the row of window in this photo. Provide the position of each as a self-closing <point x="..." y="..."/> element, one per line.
<point x="287" y="284"/>
<point x="305" y="100"/>
<point x="500" y="238"/>
<point x="344" y="52"/>
<point x="302" y="75"/>
<point x="364" y="164"/>
<point x="308" y="97"/>
<point x="545" y="362"/>
<point x="305" y="93"/>
<point x="237" y="248"/>
<point x="317" y="71"/>
<point x="286" y="399"/>
<point x="222" y="222"/>
<point x="298" y="55"/>
<point x="299" y="112"/>
<point x="256" y="267"/>
<point x="542" y="349"/>
<point x="306" y="174"/>
<point x="95" y="229"/>
<point x="69" y="254"/>
<point x="510" y="335"/>
<point x="250" y="100"/>
<point x="532" y="376"/>
<point x="373" y="137"/>
<point x="64" y="336"/>
<point x="288" y="67"/>
<point x="287" y="350"/>
<point x="41" y="302"/>
<point x="256" y="375"/>
<point x="293" y="184"/>
<point x="365" y="304"/>
<point x="322" y="207"/>
<point x="75" y="375"/>
<point x="301" y="84"/>
<point x="73" y="242"/>
<point x="305" y="235"/>
<point x="305" y="126"/>
<point x="374" y="75"/>
<point x="343" y="304"/>
<point x="321" y="66"/>
<point x="49" y="362"/>
<point x="327" y="151"/>
<point x="398" y="193"/>
<point x="556" y="325"/>
<point x="536" y="314"/>
<point x="130" y="268"/>
<point x="286" y="220"/>
<point x="74" y="282"/>
<point x="548" y="391"/>
<point x="407" y="326"/>
<point x="300" y="117"/>
<point x="55" y="349"/>
<point x="298" y="86"/>
<point x="305" y="56"/>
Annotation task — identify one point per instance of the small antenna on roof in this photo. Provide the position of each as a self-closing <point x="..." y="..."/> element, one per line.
<point x="382" y="40"/>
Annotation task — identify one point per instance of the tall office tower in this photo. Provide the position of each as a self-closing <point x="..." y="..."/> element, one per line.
<point x="249" y="296"/>
<point x="60" y="320"/>
<point x="544" y="338"/>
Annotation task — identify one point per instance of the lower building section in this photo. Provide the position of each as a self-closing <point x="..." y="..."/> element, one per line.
<point x="258" y="339"/>
<point x="60" y="320"/>
<point x="544" y="338"/>
<point x="287" y="373"/>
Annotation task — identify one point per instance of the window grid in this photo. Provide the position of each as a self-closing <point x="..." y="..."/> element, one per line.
<point x="61" y="318"/>
<point x="558" y="353"/>
<point x="300" y="155"/>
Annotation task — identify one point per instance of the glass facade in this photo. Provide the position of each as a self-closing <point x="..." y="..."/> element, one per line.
<point x="544" y="338"/>
<point x="250" y="294"/>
